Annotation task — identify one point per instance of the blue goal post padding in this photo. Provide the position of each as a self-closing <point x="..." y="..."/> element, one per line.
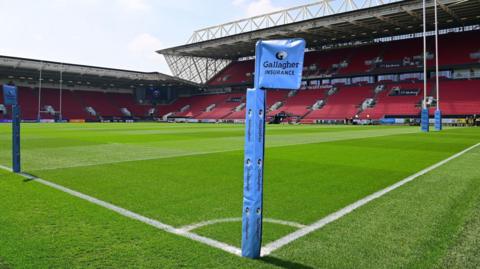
<point x="253" y="173"/>
<point x="438" y="120"/>
<point x="424" y="121"/>
<point x="16" y="159"/>
<point x="278" y="65"/>
<point x="9" y="95"/>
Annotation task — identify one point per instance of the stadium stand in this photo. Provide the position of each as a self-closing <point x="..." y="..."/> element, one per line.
<point x="356" y="64"/>
<point x="389" y="103"/>
<point x="176" y="106"/>
<point x="224" y="107"/>
<point x="393" y="56"/>
<point x="299" y="104"/>
<point x="100" y="102"/>
<point x="50" y="100"/>
<point x="345" y="103"/>
<point x="237" y="72"/>
<point x="73" y="107"/>
<point x="451" y="53"/>
<point x="199" y="104"/>
<point x="274" y="97"/>
<point x="460" y="97"/>
<point x="402" y="52"/>
<point x="401" y="94"/>
<point x="27" y="98"/>
<point x="127" y="100"/>
<point x="325" y="63"/>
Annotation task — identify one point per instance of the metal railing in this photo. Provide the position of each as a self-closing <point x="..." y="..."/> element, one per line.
<point x="283" y="17"/>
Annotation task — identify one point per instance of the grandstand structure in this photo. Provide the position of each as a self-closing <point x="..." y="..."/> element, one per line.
<point x="364" y="61"/>
<point x="54" y="91"/>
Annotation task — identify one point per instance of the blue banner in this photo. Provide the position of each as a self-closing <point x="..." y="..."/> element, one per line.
<point x="9" y="95"/>
<point x="279" y="64"/>
<point x="387" y="121"/>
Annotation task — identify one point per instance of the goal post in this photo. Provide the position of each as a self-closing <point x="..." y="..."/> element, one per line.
<point x="278" y="65"/>
<point x="10" y="94"/>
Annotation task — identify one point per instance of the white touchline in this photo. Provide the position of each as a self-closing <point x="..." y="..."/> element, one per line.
<point x="270" y="247"/>
<point x="267" y="249"/>
<point x="194" y="226"/>
<point x="135" y="216"/>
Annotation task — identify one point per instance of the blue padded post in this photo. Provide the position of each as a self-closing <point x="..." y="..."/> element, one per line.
<point x="16" y="138"/>
<point x="424" y="122"/>
<point x="253" y="173"/>
<point x="278" y="65"/>
<point x="438" y="120"/>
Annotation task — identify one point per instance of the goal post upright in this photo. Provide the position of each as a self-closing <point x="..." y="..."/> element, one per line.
<point x="40" y="80"/>
<point x="424" y="117"/>
<point x="278" y="65"/>
<point x="253" y="173"/>
<point x="10" y="93"/>
<point x="16" y="166"/>
<point x="438" y="111"/>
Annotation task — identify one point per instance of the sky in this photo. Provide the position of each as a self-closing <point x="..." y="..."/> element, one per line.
<point x="115" y="33"/>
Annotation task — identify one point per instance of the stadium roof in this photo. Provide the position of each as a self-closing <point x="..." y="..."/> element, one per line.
<point x="28" y="70"/>
<point x="322" y="24"/>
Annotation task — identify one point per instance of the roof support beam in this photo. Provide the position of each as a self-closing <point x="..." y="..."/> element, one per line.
<point x="412" y="13"/>
<point x="448" y="11"/>
<point x="365" y="26"/>
<point x="17" y="64"/>
<point x="195" y="69"/>
<point x="390" y="21"/>
<point x="338" y="30"/>
<point x="317" y="35"/>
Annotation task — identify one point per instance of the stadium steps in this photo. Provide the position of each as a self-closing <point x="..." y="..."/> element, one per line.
<point x="79" y="98"/>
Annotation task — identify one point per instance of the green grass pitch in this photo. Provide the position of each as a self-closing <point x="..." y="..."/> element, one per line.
<point x="185" y="174"/>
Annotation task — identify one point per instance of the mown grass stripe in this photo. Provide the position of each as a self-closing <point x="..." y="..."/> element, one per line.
<point x="269" y="248"/>
<point x="38" y="159"/>
<point x="133" y="215"/>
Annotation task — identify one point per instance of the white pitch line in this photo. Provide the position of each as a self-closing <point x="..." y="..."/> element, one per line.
<point x="284" y="222"/>
<point x="135" y="216"/>
<point x="270" y="247"/>
<point x="194" y="226"/>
